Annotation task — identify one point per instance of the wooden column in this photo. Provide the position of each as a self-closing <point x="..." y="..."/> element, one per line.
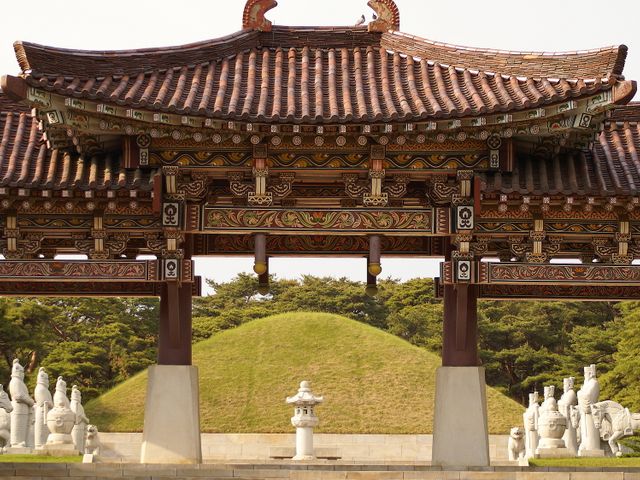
<point x="174" y="335"/>
<point x="460" y="325"/>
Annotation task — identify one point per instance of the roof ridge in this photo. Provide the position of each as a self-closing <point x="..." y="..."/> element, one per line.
<point x="603" y="63"/>
<point x="19" y="46"/>
<point x="507" y="52"/>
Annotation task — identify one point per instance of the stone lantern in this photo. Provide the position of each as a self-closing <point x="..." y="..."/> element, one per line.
<point x="304" y="419"/>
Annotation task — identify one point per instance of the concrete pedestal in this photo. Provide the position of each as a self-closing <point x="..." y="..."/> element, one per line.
<point x="460" y="433"/>
<point x="172" y="417"/>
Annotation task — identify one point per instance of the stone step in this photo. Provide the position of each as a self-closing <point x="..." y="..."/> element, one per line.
<point x="289" y="452"/>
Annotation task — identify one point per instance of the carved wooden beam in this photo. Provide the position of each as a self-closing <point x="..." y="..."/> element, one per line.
<point x="559" y="292"/>
<point x="541" y="274"/>
<point x="88" y="289"/>
<point x="425" y="221"/>
<point x="94" y="270"/>
<point x="334" y="245"/>
<point x="551" y="292"/>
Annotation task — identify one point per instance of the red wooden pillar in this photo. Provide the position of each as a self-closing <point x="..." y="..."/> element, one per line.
<point x="174" y="335"/>
<point x="460" y="403"/>
<point x="460" y="325"/>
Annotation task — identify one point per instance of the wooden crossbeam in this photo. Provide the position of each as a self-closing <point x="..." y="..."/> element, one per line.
<point x="80" y="270"/>
<point x="512" y="273"/>
<point x="90" y="270"/>
<point x="559" y="292"/>
<point x="87" y="289"/>
<point x="551" y="292"/>
<point x="305" y="245"/>
<point x="322" y="221"/>
<point x="558" y="274"/>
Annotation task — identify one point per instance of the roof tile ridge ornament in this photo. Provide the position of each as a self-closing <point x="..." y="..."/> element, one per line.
<point x="253" y="15"/>
<point x="388" y="16"/>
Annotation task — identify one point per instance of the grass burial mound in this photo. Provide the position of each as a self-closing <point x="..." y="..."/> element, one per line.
<point x="372" y="382"/>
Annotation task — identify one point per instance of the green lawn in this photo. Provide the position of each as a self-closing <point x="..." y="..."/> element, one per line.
<point x="39" y="459"/>
<point x="586" y="462"/>
<point x="373" y="382"/>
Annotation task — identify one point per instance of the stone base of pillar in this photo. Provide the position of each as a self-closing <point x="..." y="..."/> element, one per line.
<point x="172" y="417"/>
<point x="591" y="453"/>
<point x="460" y="432"/>
<point x="553" y="453"/>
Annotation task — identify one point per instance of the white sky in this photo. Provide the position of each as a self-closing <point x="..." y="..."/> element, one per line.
<point x="542" y="25"/>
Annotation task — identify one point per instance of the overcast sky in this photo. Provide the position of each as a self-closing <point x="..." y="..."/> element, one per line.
<point x="542" y="25"/>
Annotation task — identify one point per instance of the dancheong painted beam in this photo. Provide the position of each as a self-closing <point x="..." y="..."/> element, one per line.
<point x="96" y="270"/>
<point x="508" y="273"/>
<point x="552" y="292"/>
<point x="89" y="289"/>
<point x="425" y="221"/>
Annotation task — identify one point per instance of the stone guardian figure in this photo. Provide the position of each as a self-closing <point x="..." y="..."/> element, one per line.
<point x="530" y="418"/>
<point x="568" y="400"/>
<point x="44" y="403"/>
<point x="80" y="428"/>
<point x="587" y="396"/>
<point x="22" y="404"/>
<point x="5" y="420"/>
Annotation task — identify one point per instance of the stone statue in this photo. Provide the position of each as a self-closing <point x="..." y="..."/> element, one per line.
<point x="530" y="418"/>
<point x="92" y="441"/>
<point x="575" y="422"/>
<point x="515" y="446"/>
<point x="60" y="398"/>
<point x="551" y="427"/>
<point x="31" y="429"/>
<point x="22" y="403"/>
<point x="622" y="423"/>
<point x="60" y="418"/>
<point x="549" y="402"/>
<point x="79" y="429"/>
<point x="44" y="403"/>
<point x="5" y="420"/>
<point x="568" y="400"/>
<point x="587" y="396"/>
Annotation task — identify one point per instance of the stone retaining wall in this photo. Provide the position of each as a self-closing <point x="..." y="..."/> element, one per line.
<point x="257" y="447"/>
<point x="314" y="471"/>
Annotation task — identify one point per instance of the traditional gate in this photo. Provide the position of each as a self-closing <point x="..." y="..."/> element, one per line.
<point x="358" y="141"/>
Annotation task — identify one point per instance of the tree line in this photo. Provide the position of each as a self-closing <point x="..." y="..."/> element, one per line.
<point x="98" y="343"/>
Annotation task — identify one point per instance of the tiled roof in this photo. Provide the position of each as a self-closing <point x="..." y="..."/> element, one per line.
<point x="26" y="162"/>
<point x="322" y="75"/>
<point x="626" y="113"/>
<point x="8" y="105"/>
<point x="611" y="168"/>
